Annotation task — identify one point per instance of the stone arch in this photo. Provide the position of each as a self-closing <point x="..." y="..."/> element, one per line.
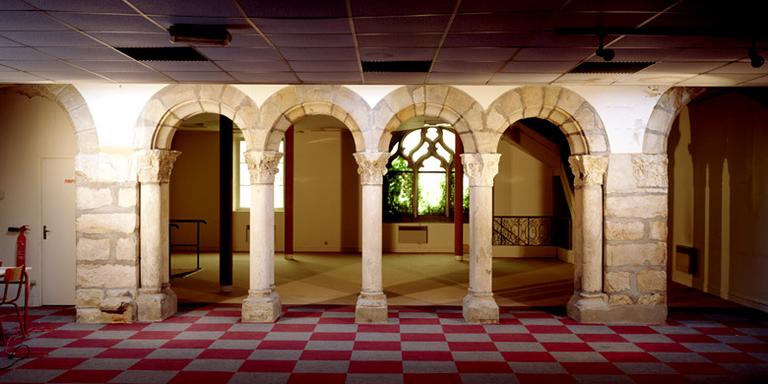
<point x="663" y="115"/>
<point x="288" y="105"/>
<point x="577" y="119"/>
<point x="451" y="104"/>
<point x="162" y="114"/>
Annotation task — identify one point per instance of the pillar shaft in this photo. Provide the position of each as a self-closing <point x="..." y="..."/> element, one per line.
<point x="262" y="303"/>
<point x="156" y="300"/>
<point x="372" y="303"/>
<point x="479" y="305"/>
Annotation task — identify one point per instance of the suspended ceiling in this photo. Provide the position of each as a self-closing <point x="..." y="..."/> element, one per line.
<point x="475" y="42"/>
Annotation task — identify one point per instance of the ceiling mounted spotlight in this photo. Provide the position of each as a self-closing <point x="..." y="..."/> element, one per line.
<point x="606" y="53"/>
<point x="754" y="58"/>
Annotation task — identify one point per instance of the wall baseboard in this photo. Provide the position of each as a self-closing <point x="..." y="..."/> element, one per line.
<point x="749" y="302"/>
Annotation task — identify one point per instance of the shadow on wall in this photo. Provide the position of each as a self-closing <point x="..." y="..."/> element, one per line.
<point x="718" y="188"/>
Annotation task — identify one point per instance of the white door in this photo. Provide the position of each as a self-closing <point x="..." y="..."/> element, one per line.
<point x="58" y="210"/>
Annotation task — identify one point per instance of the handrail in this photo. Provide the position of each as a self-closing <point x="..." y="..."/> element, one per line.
<point x="174" y="223"/>
<point x="532" y="231"/>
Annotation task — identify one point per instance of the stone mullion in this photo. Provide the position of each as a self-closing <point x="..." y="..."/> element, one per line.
<point x="371" y="305"/>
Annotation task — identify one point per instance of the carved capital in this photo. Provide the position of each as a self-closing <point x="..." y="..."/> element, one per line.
<point x="371" y="166"/>
<point x="588" y="169"/>
<point x="262" y="166"/>
<point x="481" y="168"/>
<point x="155" y="165"/>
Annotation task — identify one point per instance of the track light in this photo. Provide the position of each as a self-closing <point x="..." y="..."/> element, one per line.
<point x="606" y="53"/>
<point x="754" y="58"/>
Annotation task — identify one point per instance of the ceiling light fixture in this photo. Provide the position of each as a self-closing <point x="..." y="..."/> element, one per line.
<point x="754" y="58"/>
<point x="606" y="53"/>
<point x="198" y="34"/>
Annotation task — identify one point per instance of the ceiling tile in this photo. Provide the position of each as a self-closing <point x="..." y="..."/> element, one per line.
<point x="523" y="78"/>
<point x="14" y="5"/>
<point x="458" y="78"/>
<point x="107" y="23"/>
<point x="467" y="66"/>
<point x="640" y="54"/>
<point x="51" y="39"/>
<point x="36" y="65"/>
<point x="111" y="66"/>
<point x="88" y="6"/>
<point x="719" y="79"/>
<point x="126" y="40"/>
<point x="548" y="39"/>
<point x="643" y="78"/>
<point x="553" y="54"/>
<point x="539" y="66"/>
<point x="760" y="81"/>
<point x="251" y="40"/>
<point x="501" y="22"/>
<point x="392" y="54"/>
<point x="694" y="54"/>
<point x="294" y="8"/>
<point x="8" y="43"/>
<point x="510" y="6"/>
<point x="430" y="40"/>
<point x="587" y="78"/>
<point x="655" y="42"/>
<point x="476" y="54"/>
<point x="83" y="53"/>
<point x="266" y="78"/>
<point x="741" y="67"/>
<point x="312" y="40"/>
<point x="137" y="77"/>
<point x="401" y="24"/>
<point x="394" y="78"/>
<point x="199" y="76"/>
<point x="28" y="21"/>
<point x="400" y="7"/>
<point x="231" y="22"/>
<point x="68" y="75"/>
<point x="20" y="77"/>
<point x="619" y="5"/>
<point x="22" y="53"/>
<point x="487" y="40"/>
<point x="185" y="66"/>
<point x="319" y="53"/>
<point x="325" y="66"/>
<point x="597" y="19"/>
<point x="254" y="66"/>
<point x="188" y="8"/>
<point x="245" y="54"/>
<point x="682" y="67"/>
<point x="329" y="77"/>
<point x="303" y="26"/>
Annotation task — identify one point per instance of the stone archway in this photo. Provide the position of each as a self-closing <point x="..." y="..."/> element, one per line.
<point x="663" y="115"/>
<point x="589" y="145"/>
<point x="156" y="126"/>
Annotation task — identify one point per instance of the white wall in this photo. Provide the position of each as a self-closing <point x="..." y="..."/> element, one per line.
<point x="32" y="127"/>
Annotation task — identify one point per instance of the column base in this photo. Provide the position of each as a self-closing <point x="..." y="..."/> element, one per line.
<point x="156" y="306"/>
<point x="480" y="308"/>
<point x="595" y="309"/>
<point x="261" y="307"/>
<point x="371" y="308"/>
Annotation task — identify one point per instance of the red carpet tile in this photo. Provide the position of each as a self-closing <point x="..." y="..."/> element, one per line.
<point x="321" y="344"/>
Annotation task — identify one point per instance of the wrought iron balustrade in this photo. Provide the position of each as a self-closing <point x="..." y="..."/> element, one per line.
<point x="532" y="231"/>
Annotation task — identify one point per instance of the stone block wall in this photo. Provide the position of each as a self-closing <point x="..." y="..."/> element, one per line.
<point x="107" y="228"/>
<point x="635" y="237"/>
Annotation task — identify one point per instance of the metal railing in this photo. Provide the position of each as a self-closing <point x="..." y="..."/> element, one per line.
<point x="532" y="231"/>
<point x="175" y="224"/>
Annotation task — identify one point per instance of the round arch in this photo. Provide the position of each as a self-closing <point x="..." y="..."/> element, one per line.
<point x="663" y="115"/>
<point x="163" y="112"/>
<point x="288" y="105"/>
<point x="575" y="117"/>
<point x="450" y="104"/>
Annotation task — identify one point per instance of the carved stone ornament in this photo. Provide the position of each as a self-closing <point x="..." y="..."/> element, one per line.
<point x="481" y="168"/>
<point x="588" y="170"/>
<point x="371" y="166"/>
<point x="262" y="166"/>
<point x="155" y="165"/>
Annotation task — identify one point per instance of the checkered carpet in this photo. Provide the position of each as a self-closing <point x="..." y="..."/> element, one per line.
<point x="321" y="344"/>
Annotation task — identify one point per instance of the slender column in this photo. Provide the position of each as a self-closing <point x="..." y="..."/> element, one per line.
<point x="589" y="172"/>
<point x="458" y="203"/>
<point x="156" y="300"/>
<point x="372" y="303"/>
<point x="263" y="302"/>
<point x="479" y="305"/>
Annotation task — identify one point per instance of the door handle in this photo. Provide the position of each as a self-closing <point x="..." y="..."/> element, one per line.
<point x="45" y="232"/>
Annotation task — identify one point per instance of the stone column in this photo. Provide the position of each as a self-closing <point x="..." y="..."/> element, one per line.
<point x="156" y="300"/>
<point x="589" y="172"/>
<point x="479" y="305"/>
<point x="263" y="302"/>
<point x="372" y="303"/>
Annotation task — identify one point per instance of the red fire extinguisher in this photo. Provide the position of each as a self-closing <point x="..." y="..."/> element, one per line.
<point x="21" y="246"/>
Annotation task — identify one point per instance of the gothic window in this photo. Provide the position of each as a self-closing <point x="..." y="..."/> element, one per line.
<point x="419" y="183"/>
